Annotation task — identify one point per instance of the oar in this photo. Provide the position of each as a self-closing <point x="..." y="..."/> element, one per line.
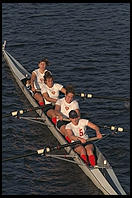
<point x="112" y="127"/>
<point x="15" y="113"/>
<point x="48" y="149"/>
<point x="89" y="95"/>
<point x="70" y="144"/>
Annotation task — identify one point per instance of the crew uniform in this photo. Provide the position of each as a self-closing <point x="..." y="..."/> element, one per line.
<point x="53" y="92"/>
<point x="39" y="80"/>
<point x="80" y="129"/>
<point x="65" y="109"/>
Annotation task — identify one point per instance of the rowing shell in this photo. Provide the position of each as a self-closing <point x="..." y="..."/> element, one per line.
<point x="101" y="175"/>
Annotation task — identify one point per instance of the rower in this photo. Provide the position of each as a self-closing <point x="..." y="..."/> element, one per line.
<point x="76" y="130"/>
<point x="50" y="92"/>
<point x="37" y="80"/>
<point x="63" y="106"/>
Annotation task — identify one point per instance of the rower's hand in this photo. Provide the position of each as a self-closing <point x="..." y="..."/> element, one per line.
<point x="99" y="135"/>
<point x="33" y="89"/>
<point x="60" y="117"/>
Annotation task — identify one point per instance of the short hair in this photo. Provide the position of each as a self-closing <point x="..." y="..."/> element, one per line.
<point x="47" y="75"/>
<point x="70" y="89"/>
<point x="44" y="60"/>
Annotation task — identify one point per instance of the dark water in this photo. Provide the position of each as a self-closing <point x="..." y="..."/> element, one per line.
<point x="88" y="46"/>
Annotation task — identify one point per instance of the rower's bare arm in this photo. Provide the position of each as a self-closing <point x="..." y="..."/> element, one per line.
<point x="78" y="112"/>
<point x="96" y="128"/>
<point x="63" y="90"/>
<point x="49" y="99"/>
<point x="33" y="77"/>
<point x="73" y="137"/>
<point x="57" y="108"/>
<point x="58" y="113"/>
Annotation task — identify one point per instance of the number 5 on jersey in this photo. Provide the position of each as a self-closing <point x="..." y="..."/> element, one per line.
<point x="80" y="132"/>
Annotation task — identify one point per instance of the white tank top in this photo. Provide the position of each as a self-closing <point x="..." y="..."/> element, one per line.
<point x="52" y="92"/>
<point x="39" y="81"/>
<point x="66" y="107"/>
<point x="80" y="129"/>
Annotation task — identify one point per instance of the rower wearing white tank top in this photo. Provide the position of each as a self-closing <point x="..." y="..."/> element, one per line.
<point x="76" y="130"/>
<point x="64" y="106"/>
<point x="50" y="92"/>
<point x="37" y="80"/>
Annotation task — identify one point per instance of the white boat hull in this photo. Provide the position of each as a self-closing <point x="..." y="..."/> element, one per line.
<point x="104" y="178"/>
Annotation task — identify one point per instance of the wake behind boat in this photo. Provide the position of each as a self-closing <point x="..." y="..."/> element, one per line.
<point x="101" y="175"/>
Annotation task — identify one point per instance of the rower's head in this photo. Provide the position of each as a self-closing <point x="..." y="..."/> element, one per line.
<point x="48" y="79"/>
<point x="70" y="93"/>
<point x="43" y="63"/>
<point x="73" y="116"/>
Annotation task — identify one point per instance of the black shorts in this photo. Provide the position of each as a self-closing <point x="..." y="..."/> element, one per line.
<point x="48" y="107"/>
<point x="61" y="123"/>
